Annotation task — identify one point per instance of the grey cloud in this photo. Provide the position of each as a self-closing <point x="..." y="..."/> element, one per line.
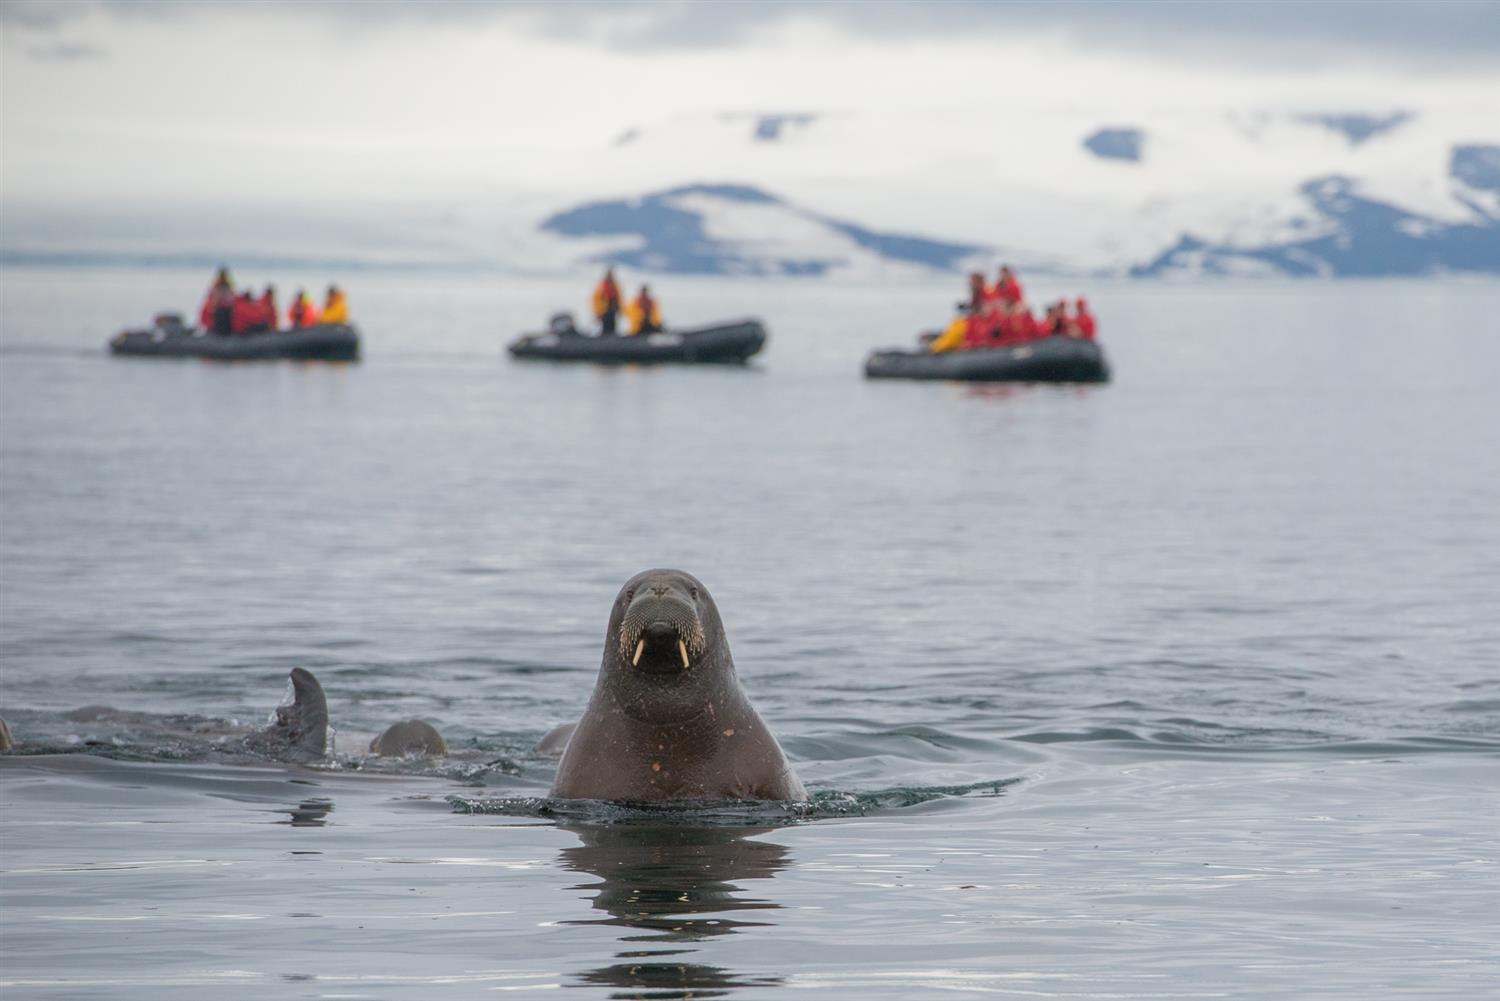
<point x="37" y="15"/>
<point x="65" y="52"/>
<point x="1433" y="34"/>
<point x="1199" y="30"/>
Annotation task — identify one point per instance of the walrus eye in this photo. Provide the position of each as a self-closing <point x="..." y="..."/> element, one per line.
<point x="629" y="593"/>
<point x="694" y="592"/>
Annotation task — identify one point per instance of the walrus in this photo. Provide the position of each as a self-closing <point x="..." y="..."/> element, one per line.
<point x="298" y="730"/>
<point x="409" y="737"/>
<point x="668" y="719"/>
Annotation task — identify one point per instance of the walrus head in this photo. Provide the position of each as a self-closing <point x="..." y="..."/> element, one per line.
<point x="665" y="649"/>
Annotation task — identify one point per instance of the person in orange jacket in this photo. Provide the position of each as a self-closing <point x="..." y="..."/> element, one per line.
<point x="606" y="303"/>
<point x="1087" y="325"/>
<point x="645" y="313"/>
<point x="217" y="314"/>
<point x="302" y="312"/>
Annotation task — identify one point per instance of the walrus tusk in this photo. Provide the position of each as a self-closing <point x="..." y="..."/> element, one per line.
<point x="682" y="649"/>
<point x="639" y="649"/>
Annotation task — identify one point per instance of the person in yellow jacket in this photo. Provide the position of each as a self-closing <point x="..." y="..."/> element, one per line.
<point x="607" y="303"/>
<point x="335" y="307"/>
<point x="956" y="333"/>
<point x="953" y="336"/>
<point x="644" y="313"/>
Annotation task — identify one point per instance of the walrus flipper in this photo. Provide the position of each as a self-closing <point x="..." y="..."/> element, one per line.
<point x="299" y="729"/>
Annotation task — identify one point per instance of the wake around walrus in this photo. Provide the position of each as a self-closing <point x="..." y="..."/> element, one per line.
<point x="668" y="719"/>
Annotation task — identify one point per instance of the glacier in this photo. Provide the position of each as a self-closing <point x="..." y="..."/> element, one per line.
<point x="1293" y="192"/>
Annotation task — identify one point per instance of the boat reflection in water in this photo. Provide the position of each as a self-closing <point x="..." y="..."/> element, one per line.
<point x="673" y="886"/>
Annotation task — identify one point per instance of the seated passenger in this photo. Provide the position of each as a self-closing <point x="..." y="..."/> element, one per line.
<point x="302" y="312"/>
<point x="216" y="315"/>
<point x="645" y="313"/>
<point x="1087" y="326"/>
<point x="977" y="293"/>
<point x="335" y="307"/>
<point x="1007" y="288"/>
<point x="952" y="337"/>
<point x="268" y="308"/>
<point x="1056" y="322"/>
<point x="1069" y="323"/>
<point x="244" y="314"/>
<point x="1025" y="325"/>
<point x="1008" y="326"/>
<point x="607" y="303"/>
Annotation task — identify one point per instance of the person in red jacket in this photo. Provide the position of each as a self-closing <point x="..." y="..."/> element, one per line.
<point x="980" y="328"/>
<point x="606" y="303"/>
<point x="987" y="314"/>
<point x="1007" y="288"/>
<point x="977" y="294"/>
<point x="1005" y="324"/>
<point x="1087" y="326"/>
<point x="1025" y="324"/>
<point x="243" y="314"/>
<point x="1044" y="322"/>
<point x="261" y="319"/>
<point x="268" y="314"/>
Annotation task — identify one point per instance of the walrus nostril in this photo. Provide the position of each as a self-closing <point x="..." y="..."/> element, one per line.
<point x="660" y="632"/>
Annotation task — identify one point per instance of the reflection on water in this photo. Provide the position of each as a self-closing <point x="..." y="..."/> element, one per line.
<point x="309" y="813"/>
<point x="672" y="885"/>
<point x="670" y="980"/>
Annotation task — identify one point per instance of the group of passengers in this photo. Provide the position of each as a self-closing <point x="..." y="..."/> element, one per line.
<point x="226" y="311"/>
<point x="998" y="316"/>
<point x="643" y="312"/>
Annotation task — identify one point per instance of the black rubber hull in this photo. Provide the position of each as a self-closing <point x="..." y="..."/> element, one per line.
<point x="331" y="342"/>
<point x="1054" y="359"/>
<point x="724" y="344"/>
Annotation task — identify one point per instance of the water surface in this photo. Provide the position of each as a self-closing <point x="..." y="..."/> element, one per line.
<point x="1180" y="687"/>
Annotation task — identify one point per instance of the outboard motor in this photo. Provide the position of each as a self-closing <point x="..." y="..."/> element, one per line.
<point x="562" y="325"/>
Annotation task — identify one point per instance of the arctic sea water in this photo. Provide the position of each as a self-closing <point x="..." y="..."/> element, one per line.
<point x="1187" y="686"/>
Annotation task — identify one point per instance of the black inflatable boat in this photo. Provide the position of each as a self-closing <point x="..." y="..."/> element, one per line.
<point x="1053" y="359"/>
<point x="168" y="339"/>
<point x="724" y="343"/>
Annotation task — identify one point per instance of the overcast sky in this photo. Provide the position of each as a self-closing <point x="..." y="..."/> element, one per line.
<point x="136" y="102"/>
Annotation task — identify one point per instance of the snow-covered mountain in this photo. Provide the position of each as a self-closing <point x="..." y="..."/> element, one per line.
<point x="738" y="229"/>
<point x="1331" y="193"/>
